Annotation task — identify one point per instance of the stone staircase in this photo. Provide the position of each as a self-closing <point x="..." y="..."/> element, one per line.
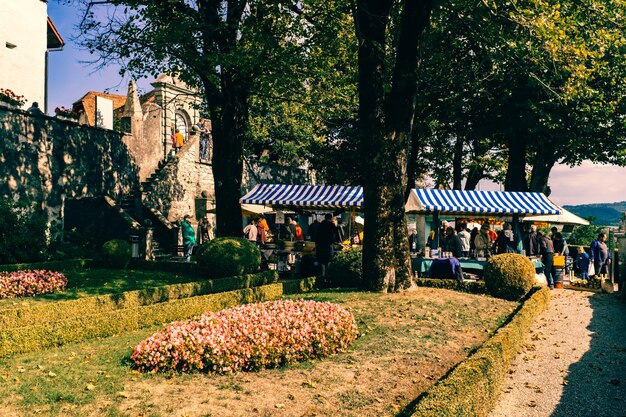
<point x="147" y="184"/>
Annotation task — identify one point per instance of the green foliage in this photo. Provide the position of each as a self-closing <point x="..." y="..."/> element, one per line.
<point x="116" y="253"/>
<point x="509" y="276"/>
<point x="477" y="287"/>
<point x="79" y="325"/>
<point x="346" y="269"/>
<point x="476" y="383"/>
<point x="22" y="234"/>
<point x="583" y="235"/>
<point x="229" y="256"/>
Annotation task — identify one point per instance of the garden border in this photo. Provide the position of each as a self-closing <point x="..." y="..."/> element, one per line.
<point x="473" y="386"/>
<point x="83" y="326"/>
<point x="63" y="265"/>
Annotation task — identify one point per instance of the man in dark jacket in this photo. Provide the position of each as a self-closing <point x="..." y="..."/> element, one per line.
<point x="546" y="249"/>
<point x="327" y="234"/>
<point x="531" y="243"/>
<point x="452" y="243"/>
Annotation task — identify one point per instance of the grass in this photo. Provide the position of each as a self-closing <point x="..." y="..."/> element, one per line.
<point x="103" y="281"/>
<point x="407" y="342"/>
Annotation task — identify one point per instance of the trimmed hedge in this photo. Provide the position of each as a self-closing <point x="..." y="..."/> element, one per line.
<point x="472" y="287"/>
<point x="473" y="387"/>
<point x="228" y="256"/>
<point x="296" y="286"/>
<point x="187" y="268"/>
<point x="65" y="265"/>
<point x="86" y="326"/>
<point x="61" y="310"/>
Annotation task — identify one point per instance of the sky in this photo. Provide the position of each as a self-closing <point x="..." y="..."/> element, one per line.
<point x="70" y="79"/>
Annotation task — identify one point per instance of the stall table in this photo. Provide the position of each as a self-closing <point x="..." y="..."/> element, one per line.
<point x="423" y="265"/>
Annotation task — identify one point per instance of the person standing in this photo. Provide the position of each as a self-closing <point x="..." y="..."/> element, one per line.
<point x="261" y="236"/>
<point x="506" y="241"/>
<point x="205" y="229"/>
<point x="251" y="231"/>
<point x="473" y="235"/>
<point x="189" y="237"/>
<point x="600" y="255"/>
<point x="464" y="237"/>
<point x="413" y="240"/>
<point x="582" y="262"/>
<point x="452" y="243"/>
<point x="483" y="242"/>
<point x="313" y="229"/>
<point x="531" y="243"/>
<point x="327" y="235"/>
<point x="35" y="110"/>
<point x="546" y="250"/>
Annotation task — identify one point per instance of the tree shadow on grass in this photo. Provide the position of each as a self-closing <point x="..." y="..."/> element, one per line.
<point x="596" y="384"/>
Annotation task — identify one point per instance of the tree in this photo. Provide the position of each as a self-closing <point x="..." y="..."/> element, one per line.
<point x="228" y="49"/>
<point x="386" y="110"/>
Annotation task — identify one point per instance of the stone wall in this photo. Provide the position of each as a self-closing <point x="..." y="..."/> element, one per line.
<point x="44" y="161"/>
<point x="181" y="183"/>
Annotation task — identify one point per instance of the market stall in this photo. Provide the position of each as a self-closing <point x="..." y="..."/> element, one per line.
<point x="474" y="204"/>
<point x="307" y="199"/>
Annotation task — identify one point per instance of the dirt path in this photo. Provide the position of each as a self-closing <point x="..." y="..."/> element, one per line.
<point x="574" y="364"/>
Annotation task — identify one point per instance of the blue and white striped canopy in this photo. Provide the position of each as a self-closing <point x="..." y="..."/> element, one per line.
<point x="312" y="196"/>
<point x="461" y="201"/>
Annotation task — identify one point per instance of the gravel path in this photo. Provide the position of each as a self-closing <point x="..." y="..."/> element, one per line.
<point x="574" y="362"/>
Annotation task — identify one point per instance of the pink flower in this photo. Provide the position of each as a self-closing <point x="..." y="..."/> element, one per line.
<point x="249" y="337"/>
<point x="30" y="283"/>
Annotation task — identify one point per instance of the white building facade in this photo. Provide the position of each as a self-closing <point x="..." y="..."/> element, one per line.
<point x="26" y="37"/>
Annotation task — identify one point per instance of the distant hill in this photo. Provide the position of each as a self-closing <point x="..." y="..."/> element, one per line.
<point x="606" y="214"/>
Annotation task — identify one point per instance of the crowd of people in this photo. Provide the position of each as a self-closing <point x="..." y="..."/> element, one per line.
<point x="484" y="242"/>
<point x="326" y="234"/>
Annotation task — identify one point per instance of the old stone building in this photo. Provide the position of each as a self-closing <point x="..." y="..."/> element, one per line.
<point x="120" y="184"/>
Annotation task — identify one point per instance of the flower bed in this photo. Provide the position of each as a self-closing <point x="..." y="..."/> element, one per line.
<point x="249" y="337"/>
<point x="30" y="283"/>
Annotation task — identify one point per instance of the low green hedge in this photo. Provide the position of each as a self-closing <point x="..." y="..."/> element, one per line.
<point x="473" y="387"/>
<point x="296" y="286"/>
<point x="472" y="287"/>
<point x="86" y="326"/>
<point x="56" y="311"/>
<point x="65" y="265"/>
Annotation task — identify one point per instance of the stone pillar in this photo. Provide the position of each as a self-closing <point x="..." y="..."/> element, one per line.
<point x="146" y="250"/>
<point x="621" y="264"/>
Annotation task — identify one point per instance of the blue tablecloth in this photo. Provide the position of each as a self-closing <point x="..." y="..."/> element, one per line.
<point x="447" y="268"/>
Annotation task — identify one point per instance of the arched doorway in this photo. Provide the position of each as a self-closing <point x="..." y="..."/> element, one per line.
<point x="181" y="123"/>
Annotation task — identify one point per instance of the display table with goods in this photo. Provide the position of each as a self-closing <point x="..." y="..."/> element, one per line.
<point x="422" y="266"/>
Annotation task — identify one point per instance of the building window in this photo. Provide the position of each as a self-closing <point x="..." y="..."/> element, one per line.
<point x="11" y="45"/>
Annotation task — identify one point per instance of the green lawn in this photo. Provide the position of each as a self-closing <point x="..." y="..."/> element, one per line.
<point x="407" y="342"/>
<point x="103" y="281"/>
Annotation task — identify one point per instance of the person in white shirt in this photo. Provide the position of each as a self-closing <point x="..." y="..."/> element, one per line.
<point x="464" y="237"/>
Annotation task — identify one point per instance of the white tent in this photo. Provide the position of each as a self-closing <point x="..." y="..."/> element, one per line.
<point x="564" y="217"/>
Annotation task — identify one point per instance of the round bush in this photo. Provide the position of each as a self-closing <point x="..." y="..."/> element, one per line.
<point x="346" y="269"/>
<point x="116" y="253"/>
<point x="509" y="276"/>
<point x="229" y="257"/>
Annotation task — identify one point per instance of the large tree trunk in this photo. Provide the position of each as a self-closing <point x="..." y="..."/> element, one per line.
<point x="228" y="154"/>
<point x="474" y="175"/>
<point x="457" y="164"/>
<point x="385" y="131"/>
<point x="378" y="257"/>
<point x="516" y="171"/>
<point x="543" y="162"/>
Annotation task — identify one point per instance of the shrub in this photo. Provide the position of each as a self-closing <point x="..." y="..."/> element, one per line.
<point x="30" y="283"/>
<point x="229" y="256"/>
<point x="509" y="276"/>
<point x="346" y="269"/>
<point x="116" y="253"/>
<point x="22" y="233"/>
<point x="249" y="337"/>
